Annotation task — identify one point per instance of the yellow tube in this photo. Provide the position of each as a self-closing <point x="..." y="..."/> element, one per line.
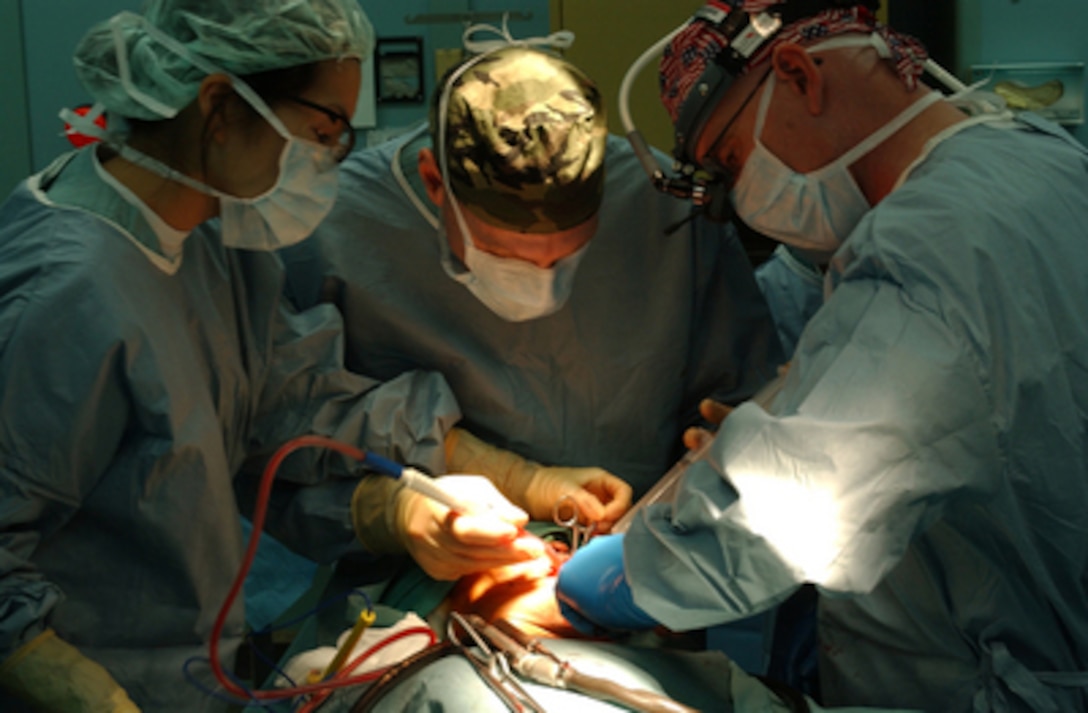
<point x="365" y="620"/>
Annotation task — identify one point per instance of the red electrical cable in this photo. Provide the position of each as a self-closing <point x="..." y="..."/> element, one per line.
<point x="261" y="507"/>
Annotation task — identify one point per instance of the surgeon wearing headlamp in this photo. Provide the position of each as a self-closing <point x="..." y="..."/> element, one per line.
<point x="925" y="464"/>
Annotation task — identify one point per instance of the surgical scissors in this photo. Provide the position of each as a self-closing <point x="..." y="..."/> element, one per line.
<point x="579" y="533"/>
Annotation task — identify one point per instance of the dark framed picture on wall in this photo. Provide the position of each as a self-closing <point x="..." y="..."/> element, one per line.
<point x="398" y="66"/>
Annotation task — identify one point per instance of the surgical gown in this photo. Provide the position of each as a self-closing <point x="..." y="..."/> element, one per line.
<point x="654" y="323"/>
<point x="793" y="288"/>
<point x="133" y="405"/>
<point x="926" y="463"/>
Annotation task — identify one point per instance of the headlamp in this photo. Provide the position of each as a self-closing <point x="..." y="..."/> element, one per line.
<point x="745" y="34"/>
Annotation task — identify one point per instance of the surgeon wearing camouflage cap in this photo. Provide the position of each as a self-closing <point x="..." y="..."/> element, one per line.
<point x="509" y="245"/>
<point x="519" y="176"/>
<point x="518" y="173"/>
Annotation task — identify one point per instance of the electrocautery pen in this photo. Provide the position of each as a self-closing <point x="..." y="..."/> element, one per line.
<point x="422" y="484"/>
<point x="429" y="487"/>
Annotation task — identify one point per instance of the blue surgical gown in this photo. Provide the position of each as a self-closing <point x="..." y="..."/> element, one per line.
<point x="793" y="288"/>
<point x="136" y="410"/>
<point x="654" y="322"/>
<point x="926" y="463"/>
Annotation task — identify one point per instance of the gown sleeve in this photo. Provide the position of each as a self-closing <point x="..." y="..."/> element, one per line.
<point x="883" y="420"/>
<point x="306" y="389"/>
<point x="63" y="416"/>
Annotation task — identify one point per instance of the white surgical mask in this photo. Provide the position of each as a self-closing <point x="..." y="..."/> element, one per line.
<point x="514" y="289"/>
<point x="290" y="210"/>
<point x="812" y="211"/>
<point x="285" y="214"/>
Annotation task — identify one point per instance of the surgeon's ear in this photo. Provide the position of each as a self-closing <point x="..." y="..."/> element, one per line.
<point x="798" y="70"/>
<point x="432" y="177"/>
<point x="213" y="98"/>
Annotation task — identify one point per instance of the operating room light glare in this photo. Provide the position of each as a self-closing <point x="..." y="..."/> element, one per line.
<point x="800" y="522"/>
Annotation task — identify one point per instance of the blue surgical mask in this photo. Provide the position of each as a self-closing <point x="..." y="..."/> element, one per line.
<point x="811" y="211"/>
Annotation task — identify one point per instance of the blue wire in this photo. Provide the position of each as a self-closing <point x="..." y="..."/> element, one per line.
<point x="267" y="660"/>
<point x="216" y="694"/>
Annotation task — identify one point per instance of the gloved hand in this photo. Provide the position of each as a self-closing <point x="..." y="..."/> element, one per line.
<point x="444" y="544"/>
<point x="601" y="497"/>
<point x="713" y="411"/>
<point x="593" y="592"/>
<point x="52" y="675"/>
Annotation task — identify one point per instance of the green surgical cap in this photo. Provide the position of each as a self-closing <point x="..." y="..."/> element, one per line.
<point x="236" y="36"/>
<point x="525" y="141"/>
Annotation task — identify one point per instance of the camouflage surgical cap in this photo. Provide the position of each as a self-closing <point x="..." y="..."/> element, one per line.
<point x="524" y="140"/>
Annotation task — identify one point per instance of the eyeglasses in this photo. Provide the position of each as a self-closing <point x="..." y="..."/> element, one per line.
<point x="710" y="161"/>
<point x="346" y="140"/>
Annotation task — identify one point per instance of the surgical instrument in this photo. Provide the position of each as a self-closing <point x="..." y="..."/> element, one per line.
<point x="492" y="666"/>
<point x="530" y="658"/>
<point x="421" y="483"/>
<point x="579" y="533"/>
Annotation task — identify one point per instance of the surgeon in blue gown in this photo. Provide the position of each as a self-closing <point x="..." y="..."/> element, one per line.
<point x="925" y="464"/>
<point x="600" y="354"/>
<point x="149" y="364"/>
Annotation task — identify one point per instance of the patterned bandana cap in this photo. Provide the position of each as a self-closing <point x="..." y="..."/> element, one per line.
<point x="695" y="47"/>
<point x="525" y="140"/>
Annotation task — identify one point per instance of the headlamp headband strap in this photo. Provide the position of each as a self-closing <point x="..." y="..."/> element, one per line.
<point x="746" y="33"/>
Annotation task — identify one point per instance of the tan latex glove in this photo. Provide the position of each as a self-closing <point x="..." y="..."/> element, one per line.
<point x="444" y="544"/>
<point x="52" y="675"/>
<point x="373" y="514"/>
<point x="715" y="412"/>
<point x="601" y="497"/>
